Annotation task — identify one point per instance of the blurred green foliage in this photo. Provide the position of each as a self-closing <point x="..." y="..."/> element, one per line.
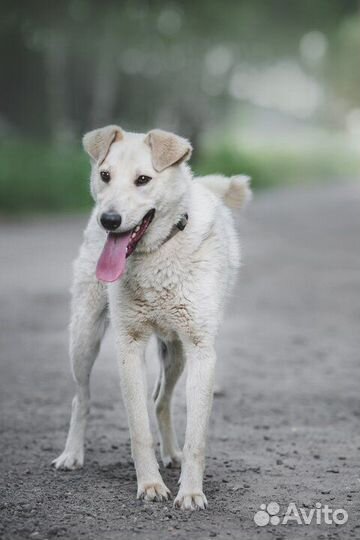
<point x="265" y="70"/>
<point x="269" y="166"/>
<point x="37" y="177"/>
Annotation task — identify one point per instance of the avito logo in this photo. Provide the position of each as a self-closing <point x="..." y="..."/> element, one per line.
<point x="321" y="514"/>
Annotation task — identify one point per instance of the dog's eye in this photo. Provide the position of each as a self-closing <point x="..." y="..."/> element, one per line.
<point x="105" y="176"/>
<point x="142" y="180"/>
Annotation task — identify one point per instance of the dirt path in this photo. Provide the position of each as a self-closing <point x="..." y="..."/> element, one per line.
<point x="285" y="425"/>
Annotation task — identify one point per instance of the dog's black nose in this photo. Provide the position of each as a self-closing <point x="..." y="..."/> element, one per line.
<point x="110" y="220"/>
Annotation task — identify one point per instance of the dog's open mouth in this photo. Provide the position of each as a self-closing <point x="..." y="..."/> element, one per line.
<point x="119" y="246"/>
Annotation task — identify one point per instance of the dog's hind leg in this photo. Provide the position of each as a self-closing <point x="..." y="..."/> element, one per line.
<point x="172" y="364"/>
<point x="87" y="327"/>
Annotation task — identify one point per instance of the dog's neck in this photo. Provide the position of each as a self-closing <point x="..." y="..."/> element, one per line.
<point x="177" y="227"/>
<point x="166" y="225"/>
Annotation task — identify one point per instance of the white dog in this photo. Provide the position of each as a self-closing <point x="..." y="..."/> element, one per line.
<point x="184" y="255"/>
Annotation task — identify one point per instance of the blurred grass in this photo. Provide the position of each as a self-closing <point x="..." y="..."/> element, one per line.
<point x="274" y="164"/>
<point x="38" y="178"/>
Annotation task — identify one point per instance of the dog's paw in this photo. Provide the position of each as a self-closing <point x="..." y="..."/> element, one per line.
<point x="69" y="461"/>
<point x="172" y="461"/>
<point x="191" y="501"/>
<point x="153" y="491"/>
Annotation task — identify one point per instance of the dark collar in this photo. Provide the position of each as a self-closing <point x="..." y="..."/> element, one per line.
<point x="179" y="226"/>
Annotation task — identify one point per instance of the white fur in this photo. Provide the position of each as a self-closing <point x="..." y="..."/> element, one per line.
<point x="175" y="290"/>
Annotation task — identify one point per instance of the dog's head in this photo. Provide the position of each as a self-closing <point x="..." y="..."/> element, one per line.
<point x="137" y="180"/>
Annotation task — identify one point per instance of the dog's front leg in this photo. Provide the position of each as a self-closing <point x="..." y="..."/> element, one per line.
<point x="199" y="391"/>
<point x="88" y="324"/>
<point x="132" y="375"/>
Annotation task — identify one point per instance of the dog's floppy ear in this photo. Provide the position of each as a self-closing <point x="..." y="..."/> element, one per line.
<point x="97" y="142"/>
<point x="167" y="149"/>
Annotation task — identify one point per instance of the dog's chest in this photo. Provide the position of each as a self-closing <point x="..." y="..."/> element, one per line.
<point x="160" y="293"/>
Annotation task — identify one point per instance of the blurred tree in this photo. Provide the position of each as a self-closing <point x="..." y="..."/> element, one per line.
<point x="76" y="64"/>
<point x="345" y="67"/>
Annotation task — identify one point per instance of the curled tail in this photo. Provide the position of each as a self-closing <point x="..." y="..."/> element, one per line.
<point x="234" y="191"/>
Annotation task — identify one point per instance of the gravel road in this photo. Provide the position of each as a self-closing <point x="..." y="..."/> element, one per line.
<point x="285" y="426"/>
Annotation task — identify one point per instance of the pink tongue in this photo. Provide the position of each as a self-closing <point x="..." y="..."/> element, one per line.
<point x="111" y="264"/>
